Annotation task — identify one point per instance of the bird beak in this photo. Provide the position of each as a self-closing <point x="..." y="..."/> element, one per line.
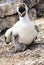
<point x="22" y="14"/>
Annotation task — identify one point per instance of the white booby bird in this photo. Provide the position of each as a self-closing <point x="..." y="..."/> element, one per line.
<point x="24" y="30"/>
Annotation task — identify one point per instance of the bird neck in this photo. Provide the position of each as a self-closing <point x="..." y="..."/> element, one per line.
<point x="25" y="18"/>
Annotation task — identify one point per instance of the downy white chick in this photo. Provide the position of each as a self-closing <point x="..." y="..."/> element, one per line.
<point x="23" y="31"/>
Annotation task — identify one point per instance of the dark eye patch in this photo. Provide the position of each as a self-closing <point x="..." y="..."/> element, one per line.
<point x="21" y="9"/>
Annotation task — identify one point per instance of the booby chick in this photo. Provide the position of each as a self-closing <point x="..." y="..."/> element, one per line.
<point x="23" y="31"/>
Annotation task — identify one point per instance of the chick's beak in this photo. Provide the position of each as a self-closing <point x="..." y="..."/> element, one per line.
<point x="22" y="11"/>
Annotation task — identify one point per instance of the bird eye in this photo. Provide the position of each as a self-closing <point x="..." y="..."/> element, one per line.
<point x="24" y="5"/>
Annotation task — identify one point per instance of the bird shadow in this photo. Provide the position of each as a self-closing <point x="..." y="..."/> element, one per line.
<point x="35" y="45"/>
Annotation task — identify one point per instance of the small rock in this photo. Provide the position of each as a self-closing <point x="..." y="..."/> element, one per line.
<point x="8" y="22"/>
<point x="32" y="14"/>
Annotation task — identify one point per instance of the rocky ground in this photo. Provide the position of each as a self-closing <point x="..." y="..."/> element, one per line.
<point x="8" y="11"/>
<point x="34" y="55"/>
